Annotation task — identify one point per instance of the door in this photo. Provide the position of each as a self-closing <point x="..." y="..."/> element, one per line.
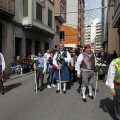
<point x="37" y="47"/>
<point x="28" y="47"/>
<point x="18" y="46"/>
<point x="46" y="46"/>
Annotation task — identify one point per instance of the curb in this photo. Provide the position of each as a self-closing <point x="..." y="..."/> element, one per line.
<point x="19" y="76"/>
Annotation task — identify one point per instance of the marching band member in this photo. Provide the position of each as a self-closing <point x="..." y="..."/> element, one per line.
<point x="2" y="69"/>
<point x="64" y="71"/>
<point x="85" y="66"/>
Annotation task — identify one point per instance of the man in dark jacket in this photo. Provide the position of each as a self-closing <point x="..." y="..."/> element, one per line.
<point x="103" y="56"/>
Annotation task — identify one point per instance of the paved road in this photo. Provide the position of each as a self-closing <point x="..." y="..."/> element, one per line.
<point x="20" y="102"/>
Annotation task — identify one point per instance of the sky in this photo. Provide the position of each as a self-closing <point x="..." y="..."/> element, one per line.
<point x="90" y="4"/>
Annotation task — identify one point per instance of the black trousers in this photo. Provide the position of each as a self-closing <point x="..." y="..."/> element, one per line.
<point x="40" y="77"/>
<point x="1" y="84"/>
<point x="117" y="102"/>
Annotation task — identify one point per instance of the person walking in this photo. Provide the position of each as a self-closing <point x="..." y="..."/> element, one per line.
<point x="2" y="70"/>
<point x="64" y="71"/>
<point x="41" y="68"/>
<point x="113" y="81"/>
<point x="85" y="66"/>
<point x="52" y="68"/>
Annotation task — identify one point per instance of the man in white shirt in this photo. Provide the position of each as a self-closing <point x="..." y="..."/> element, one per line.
<point x="85" y="66"/>
<point x="113" y="81"/>
<point x="47" y="55"/>
<point x="64" y="71"/>
<point x="2" y="69"/>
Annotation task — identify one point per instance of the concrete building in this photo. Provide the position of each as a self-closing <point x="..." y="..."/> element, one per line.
<point x="7" y="12"/>
<point x="81" y="6"/>
<point x="93" y="30"/>
<point x="104" y="21"/>
<point x="28" y="26"/>
<point x="75" y="18"/>
<point x="116" y="22"/>
<point x="71" y="39"/>
<point x="98" y="37"/>
<point x="113" y="36"/>
<point x="87" y="33"/>
<point x="60" y="18"/>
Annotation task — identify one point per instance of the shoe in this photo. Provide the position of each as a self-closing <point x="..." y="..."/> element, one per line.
<point x="57" y="91"/>
<point x="64" y="92"/>
<point x="84" y="99"/>
<point x="48" y="86"/>
<point x="41" y="89"/>
<point x="90" y="96"/>
<point x="53" y="85"/>
<point x="2" y="92"/>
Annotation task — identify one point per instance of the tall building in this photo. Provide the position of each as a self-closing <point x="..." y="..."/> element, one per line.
<point x="87" y="33"/>
<point x="60" y="18"/>
<point x="104" y="21"/>
<point x="113" y="36"/>
<point x="72" y="13"/>
<point x="98" y="37"/>
<point x="91" y="31"/>
<point x="75" y="20"/>
<point x="81" y="5"/>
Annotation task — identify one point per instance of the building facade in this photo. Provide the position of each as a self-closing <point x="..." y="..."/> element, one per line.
<point x="113" y="36"/>
<point x="104" y="21"/>
<point x="116" y="20"/>
<point x="7" y="12"/>
<point x="81" y="6"/>
<point x="98" y="37"/>
<point x="71" y="39"/>
<point x="87" y="33"/>
<point x="28" y="26"/>
<point x="60" y="18"/>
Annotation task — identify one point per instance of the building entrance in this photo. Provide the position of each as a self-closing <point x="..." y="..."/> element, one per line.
<point x="18" y="46"/>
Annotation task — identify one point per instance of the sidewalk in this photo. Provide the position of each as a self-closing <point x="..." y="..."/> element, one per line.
<point x="15" y="76"/>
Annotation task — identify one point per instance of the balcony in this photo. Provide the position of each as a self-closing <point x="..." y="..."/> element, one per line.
<point x="116" y="17"/>
<point x="60" y="10"/>
<point x="41" y="20"/>
<point x="7" y="8"/>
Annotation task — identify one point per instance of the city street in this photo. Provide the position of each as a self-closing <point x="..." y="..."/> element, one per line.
<point x="20" y="102"/>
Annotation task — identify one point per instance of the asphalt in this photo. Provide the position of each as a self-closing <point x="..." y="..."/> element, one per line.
<point x="20" y="102"/>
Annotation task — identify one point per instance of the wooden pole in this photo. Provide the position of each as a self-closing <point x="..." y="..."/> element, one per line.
<point x="96" y="86"/>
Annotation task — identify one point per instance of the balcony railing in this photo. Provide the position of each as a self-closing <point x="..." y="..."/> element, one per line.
<point x="8" y="6"/>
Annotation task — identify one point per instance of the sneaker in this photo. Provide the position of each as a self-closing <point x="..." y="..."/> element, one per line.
<point x="53" y="85"/>
<point x="48" y="86"/>
<point x="2" y="91"/>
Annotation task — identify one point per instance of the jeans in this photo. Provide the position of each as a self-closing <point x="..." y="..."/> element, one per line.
<point x="51" y="77"/>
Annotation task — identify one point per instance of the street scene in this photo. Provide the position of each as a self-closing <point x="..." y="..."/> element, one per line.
<point x="60" y="59"/>
<point x="22" y="103"/>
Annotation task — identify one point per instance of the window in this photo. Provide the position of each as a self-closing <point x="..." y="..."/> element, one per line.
<point x="49" y="18"/>
<point x="25" y="8"/>
<point x="38" y="11"/>
<point x="62" y="9"/>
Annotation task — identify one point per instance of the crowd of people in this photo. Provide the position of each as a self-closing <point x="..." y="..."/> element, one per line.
<point x="66" y="66"/>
